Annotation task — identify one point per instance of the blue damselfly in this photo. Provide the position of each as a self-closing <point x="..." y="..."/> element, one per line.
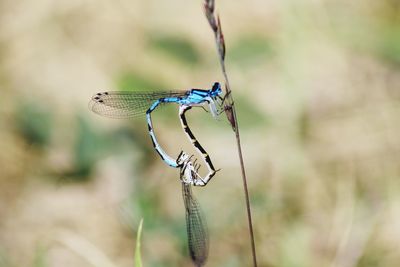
<point x="125" y="104"/>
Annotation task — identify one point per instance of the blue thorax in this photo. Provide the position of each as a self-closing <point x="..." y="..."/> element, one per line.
<point x="197" y="96"/>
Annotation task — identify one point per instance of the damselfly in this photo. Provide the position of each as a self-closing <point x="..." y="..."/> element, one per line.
<point x="198" y="242"/>
<point x="133" y="104"/>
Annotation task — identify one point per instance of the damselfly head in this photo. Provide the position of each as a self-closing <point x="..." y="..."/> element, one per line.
<point x="183" y="159"/>
<point x="216" y="89"/>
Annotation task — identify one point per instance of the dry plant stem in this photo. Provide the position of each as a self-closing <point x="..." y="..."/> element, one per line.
<point x="230" y="108"/>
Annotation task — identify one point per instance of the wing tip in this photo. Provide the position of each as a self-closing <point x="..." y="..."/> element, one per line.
<point x="95" y="100"/>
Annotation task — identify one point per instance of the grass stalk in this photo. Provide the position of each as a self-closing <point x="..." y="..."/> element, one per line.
<point x="215" y="24"/>
<point x="138" y="256"/>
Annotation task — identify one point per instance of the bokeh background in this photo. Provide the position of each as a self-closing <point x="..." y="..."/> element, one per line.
<point x="316" y="85"/>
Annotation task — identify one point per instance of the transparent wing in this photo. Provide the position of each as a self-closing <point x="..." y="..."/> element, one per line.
<point x="119" y="104"/>
<point x="196" y="227"/>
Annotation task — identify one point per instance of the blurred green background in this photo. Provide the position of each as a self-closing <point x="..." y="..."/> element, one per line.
<point x="316" y="85"/>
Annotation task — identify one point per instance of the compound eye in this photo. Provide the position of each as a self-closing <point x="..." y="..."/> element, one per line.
<point x="216" y="86"/>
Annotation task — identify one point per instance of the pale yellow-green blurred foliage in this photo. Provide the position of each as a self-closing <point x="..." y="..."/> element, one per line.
<point x="317" y="89"/>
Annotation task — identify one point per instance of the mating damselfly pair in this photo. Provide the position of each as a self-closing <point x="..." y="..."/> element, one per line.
<point x="132" y="104"/>
<point x="125" y="104"/>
